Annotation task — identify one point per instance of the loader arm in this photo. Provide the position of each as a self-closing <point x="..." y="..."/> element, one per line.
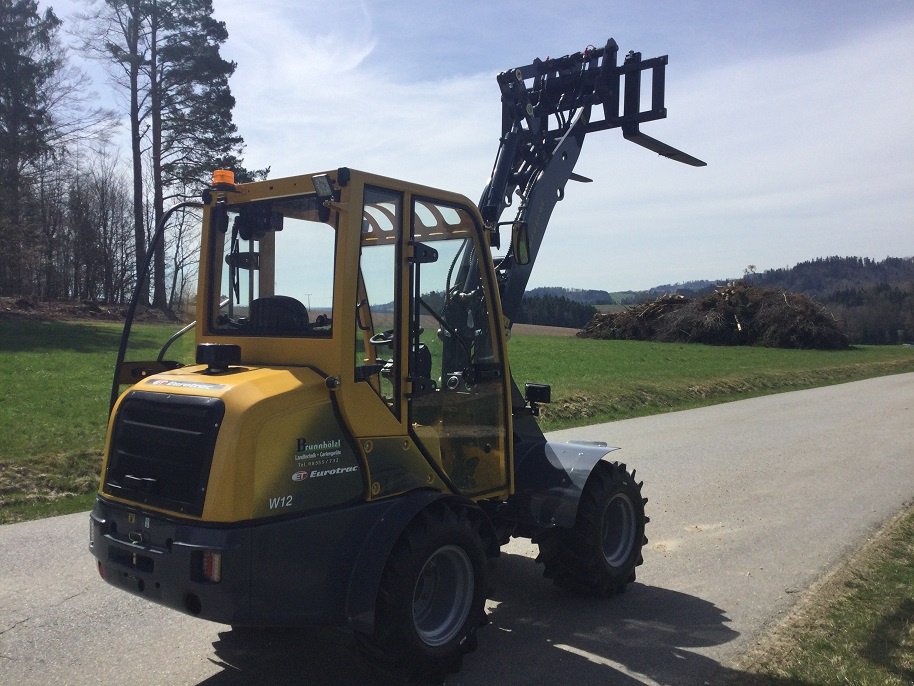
<point x="547" y="109"/>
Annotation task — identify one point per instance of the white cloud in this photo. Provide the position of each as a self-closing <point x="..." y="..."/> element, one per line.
<point x="809" y="155"/>
<point x="808" y="135"/>
<point x="807" y="152"/>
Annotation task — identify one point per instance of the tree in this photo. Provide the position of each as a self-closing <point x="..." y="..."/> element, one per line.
<point x="166" y="55"/>
<point x="552" y="310"/>
<point x="192" y="128"/>
<point x="112" y="207"/>
<point x="27" y="63"/>
<point x="45" y="109"/>
<point x="116" y="32"/>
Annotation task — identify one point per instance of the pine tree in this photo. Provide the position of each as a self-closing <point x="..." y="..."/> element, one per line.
<point x="192" y="127"/>
<point x="168" y="57"/>
<point x="116" y="31"/>
<point x="28" y="62"/>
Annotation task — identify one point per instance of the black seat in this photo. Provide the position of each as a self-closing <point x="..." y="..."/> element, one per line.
<point x="278" y="315"/>
<point x="423" y="361"/>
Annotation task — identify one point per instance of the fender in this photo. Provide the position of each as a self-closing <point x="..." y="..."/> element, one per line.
<point x="365" y="579"/>
<point x="549" y="482"/>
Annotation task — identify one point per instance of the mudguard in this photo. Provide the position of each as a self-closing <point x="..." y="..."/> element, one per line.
<point x="549" y="481"/>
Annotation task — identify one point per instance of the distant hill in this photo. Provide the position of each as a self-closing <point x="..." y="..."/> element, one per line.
<point x="825" y="276"/>
<point x="698" y="286"/>
<point x="578" y="295"/>
<point x="818" y="278"/>
<point x="547" y="309"/>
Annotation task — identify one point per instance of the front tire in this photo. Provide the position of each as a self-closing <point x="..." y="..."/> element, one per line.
<point x="598" y="555"/>
<point x="431" y="599"/>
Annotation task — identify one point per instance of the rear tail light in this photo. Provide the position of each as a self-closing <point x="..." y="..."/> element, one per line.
<point x="211" y="566"/>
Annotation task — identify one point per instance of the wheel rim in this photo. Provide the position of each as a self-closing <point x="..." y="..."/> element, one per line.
<point x="618" y="534"/>
<point x="443" y="595"/>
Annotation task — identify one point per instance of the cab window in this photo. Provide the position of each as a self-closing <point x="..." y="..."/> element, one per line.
<point x="276" y="270"/>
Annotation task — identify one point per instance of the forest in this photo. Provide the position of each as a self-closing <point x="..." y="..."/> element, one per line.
<point x="75" y="217"/>
<point x="872" y="300"/>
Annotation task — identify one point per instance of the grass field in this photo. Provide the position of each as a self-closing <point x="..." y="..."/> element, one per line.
<point x="594" y="381"/>
<point x="56" y="379"/>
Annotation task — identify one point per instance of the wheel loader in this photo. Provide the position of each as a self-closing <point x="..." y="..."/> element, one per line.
<point x="344" y="445"/>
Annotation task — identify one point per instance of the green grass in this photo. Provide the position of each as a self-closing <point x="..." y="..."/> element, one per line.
<point x="54" y="398"/>
<point x="858" y="628"/>
<point x="56" y="379"/>
<point x="594" y="380"/>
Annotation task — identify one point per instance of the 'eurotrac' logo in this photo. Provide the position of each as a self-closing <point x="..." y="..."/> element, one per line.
<point x="321" y="458"/>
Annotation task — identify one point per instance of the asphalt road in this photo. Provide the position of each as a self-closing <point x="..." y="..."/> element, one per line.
<point x="750" y="502"/>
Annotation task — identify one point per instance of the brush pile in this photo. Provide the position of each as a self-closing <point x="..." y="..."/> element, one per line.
<point x="737" y="314"/>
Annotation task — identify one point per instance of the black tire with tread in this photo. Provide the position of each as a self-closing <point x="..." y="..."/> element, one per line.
<point x="599" y="554"/>
<point x="397" y="647"/>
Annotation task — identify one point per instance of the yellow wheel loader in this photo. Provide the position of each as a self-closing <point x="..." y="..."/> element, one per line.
<point x="348" y="447"/>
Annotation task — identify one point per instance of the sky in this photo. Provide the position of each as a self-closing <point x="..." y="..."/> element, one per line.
<point x="801" y="109"/>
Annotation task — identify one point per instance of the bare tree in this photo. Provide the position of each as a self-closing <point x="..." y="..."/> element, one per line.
<point x="45" y="108"/>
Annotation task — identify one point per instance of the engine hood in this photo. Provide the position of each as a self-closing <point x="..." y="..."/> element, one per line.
<point x="275" y="444"/>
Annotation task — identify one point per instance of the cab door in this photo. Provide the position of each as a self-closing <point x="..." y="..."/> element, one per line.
<point x="457" y="392"/>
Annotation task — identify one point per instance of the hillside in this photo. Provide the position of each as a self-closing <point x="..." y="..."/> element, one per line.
<point x="823" y="277"/>
<point x="818" y="278"/>
<point x="578" y="295"/>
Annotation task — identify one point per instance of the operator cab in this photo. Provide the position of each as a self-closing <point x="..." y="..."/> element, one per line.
<point x="385" y="290"/>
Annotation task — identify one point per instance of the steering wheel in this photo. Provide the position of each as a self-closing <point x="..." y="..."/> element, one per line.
<point x="383" y="338"/>
<point x="386" y="337"/>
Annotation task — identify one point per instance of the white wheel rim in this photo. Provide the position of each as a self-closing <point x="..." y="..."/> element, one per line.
<point x="443" y="595"/>
<point x="618" y="530"/>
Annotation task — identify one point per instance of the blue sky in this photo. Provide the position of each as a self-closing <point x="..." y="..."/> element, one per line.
<point x="802" y="110"/>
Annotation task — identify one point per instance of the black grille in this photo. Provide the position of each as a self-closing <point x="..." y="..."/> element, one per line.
<point x="162" y="450"/>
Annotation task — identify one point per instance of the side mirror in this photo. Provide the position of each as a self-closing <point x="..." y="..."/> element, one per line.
<point x="520" y="243"/>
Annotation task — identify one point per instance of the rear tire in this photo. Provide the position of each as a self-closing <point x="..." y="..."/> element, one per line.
<point x="598" y="555"/>
<point x="431" y="599"/>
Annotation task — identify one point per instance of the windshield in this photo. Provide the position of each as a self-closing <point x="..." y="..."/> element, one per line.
<point x="275" y="274"/>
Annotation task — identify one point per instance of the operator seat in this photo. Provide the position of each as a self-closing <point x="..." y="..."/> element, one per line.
<point x="423" y="361"/>
<point x="278" y="315"/>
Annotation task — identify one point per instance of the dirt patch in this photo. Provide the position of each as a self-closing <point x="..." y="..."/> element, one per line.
<point x="45" y="479"/>
<point x="67" y="310"/>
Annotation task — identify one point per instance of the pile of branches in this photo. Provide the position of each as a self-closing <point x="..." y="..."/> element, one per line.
<point x="738" y="314"/>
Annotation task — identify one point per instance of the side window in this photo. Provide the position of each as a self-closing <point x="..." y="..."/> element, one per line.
<point x="458" y="415"/>
<point x="377" y="306"/>
<point x="452" y="305"/>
